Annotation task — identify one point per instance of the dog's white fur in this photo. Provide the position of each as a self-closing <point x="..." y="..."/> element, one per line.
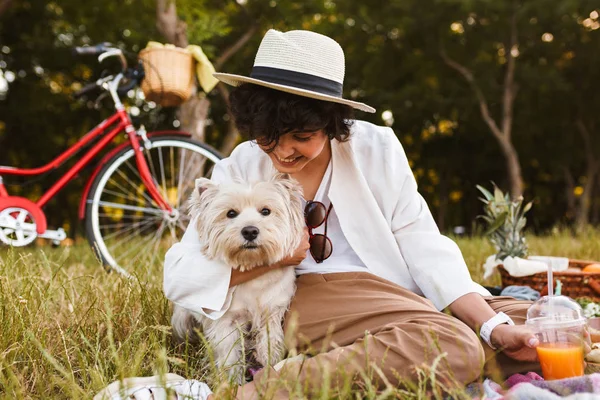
<point x="262" y="302"/>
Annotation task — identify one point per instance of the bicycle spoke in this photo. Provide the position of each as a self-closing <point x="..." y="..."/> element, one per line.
<point x="153" y="170"/>
<point x="172" y="163"/>
<point x="132" y="235"/>
<point x="181" y="226"/>
<point x="184" y="182"/>
<point x="115" y="183"/>
<point x="22" y="216"/>
<point x="126" y="197"/>
<point x="179" y="179"/>
<point x="137" y="174"/>
<point x="188" y="180"/>
<point x="147" y="210"/>
<point x="134" y="186"/>
<point x="133" y="226"/>
<point x="133" y="250"/>
<point x="127" y="216"/>
<point x="120" y="224"/>
<point x="120" y="187"/>
<point x="162" y="173"/>
<point x="196" y="169"/>
<point x="153" y="244"/>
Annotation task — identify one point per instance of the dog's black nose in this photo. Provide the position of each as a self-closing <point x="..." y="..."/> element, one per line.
<point x="250" y="232"/>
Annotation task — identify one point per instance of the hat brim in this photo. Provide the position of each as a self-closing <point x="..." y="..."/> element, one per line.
<point x="236" y="80"/>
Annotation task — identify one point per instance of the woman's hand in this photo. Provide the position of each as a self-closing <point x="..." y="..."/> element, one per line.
<point x="300" y="253"/>
<point x="519" y="343"/>
<point x="516" y="341"/>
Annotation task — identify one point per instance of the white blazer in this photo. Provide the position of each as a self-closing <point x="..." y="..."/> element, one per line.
<point x="384" y="218"/>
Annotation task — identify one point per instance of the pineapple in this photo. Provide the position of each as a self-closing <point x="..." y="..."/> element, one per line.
<point x="505" y="220"/>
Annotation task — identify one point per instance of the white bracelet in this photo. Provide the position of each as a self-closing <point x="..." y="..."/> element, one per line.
<point x="486" y="329"/>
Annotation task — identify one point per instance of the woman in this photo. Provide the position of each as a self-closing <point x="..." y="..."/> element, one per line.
<point x="371" y="286"/>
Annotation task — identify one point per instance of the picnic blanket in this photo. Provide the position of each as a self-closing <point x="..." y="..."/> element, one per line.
<point x="533" y="387"/>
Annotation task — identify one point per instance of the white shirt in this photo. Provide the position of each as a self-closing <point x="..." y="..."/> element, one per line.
<point x="384" y="218"/>
<point x="343" y="258"/>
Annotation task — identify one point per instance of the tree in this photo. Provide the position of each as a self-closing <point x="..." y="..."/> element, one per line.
<point x="576" y="62"/>
<point x="502" y="127"/>
<point x="194" y="112"/>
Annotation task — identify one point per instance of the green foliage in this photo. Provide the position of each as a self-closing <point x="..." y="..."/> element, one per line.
<point x="205" y="22"/>
<point x="392" y="62"/>
<point x="505" y="222"/>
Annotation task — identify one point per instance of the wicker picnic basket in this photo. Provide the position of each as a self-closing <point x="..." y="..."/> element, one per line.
<point x="575" y="283"/>
<point x="169" y="75"/>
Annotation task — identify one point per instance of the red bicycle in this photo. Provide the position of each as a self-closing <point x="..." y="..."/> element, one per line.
<point x="133" y="203"/>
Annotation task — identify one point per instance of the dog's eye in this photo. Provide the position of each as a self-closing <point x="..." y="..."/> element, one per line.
<point x="265" y="211"/>
<point x="232" y="214"/>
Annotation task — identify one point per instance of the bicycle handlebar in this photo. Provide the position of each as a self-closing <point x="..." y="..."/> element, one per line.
<point x="114" y="53"/>
<point x="103" y="51"/>
<point x="112" y="84"/>
<point x="91" y="50"/>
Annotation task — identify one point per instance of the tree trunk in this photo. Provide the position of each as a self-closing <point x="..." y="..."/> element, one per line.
<point x="595" y="218"/>
<point x="168" y="23"/>
<point x="193" y="114"/>
<point x="582" y="218"/>
<point x="513" y="168"/>
<point x="232" y="137"/>
<point x="569" y="191"/>
<point x="502" y="131"/>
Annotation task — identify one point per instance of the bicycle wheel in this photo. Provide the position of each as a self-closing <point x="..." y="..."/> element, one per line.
<point x="124" y="225"/>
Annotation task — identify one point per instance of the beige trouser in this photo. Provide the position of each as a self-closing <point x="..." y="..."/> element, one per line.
<point x="356" y="323"/>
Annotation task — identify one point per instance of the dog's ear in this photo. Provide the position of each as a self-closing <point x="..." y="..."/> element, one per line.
<point x="288" y="183"/>
<point x="202" y="184"/>
<point x="294" y="207"/>
<point x="201" y="194"/>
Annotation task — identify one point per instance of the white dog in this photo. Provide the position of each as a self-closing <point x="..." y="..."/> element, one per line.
<point x="247" y="226"/>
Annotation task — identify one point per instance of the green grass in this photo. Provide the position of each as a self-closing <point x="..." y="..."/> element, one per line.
<point x="68" y="329"/>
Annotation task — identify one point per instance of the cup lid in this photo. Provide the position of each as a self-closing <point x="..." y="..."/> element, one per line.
<point x="555" y="312"/>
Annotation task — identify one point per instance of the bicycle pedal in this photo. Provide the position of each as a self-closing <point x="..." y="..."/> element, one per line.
<point x="56" y="235"/>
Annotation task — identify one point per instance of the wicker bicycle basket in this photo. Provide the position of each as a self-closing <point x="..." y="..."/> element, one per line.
<point x="169" y="75"/>
<point x="575" y="283"/>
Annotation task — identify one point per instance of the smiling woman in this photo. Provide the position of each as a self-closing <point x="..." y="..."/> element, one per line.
<point x="373" y="259"/>
<point x="294" y="151"/>
<point x="267" y="114"/>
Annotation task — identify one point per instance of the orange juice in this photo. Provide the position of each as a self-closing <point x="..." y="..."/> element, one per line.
<point x="560" y="360"/>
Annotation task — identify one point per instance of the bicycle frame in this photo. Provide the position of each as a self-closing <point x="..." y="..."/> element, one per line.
<point x="121" y="118"/>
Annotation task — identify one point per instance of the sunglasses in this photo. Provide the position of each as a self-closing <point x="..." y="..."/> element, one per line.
<point x="315" y="214"/>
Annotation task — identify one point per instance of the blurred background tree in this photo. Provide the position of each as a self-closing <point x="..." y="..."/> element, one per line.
<point x="476" y="90"/>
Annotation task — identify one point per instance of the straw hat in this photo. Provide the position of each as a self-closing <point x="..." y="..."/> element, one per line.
<point x="299" y="62"/>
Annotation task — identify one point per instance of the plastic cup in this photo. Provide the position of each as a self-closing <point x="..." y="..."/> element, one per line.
<point x="559" y="325"/>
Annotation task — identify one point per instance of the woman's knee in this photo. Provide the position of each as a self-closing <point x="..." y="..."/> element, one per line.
<point x="465" y="355"/>
<point x="448" y="348"/>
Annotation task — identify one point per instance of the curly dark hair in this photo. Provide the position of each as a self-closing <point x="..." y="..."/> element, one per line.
<point x="265" y="114"/>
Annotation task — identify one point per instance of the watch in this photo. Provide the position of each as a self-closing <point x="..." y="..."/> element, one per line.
<point x="486" y="329"/>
